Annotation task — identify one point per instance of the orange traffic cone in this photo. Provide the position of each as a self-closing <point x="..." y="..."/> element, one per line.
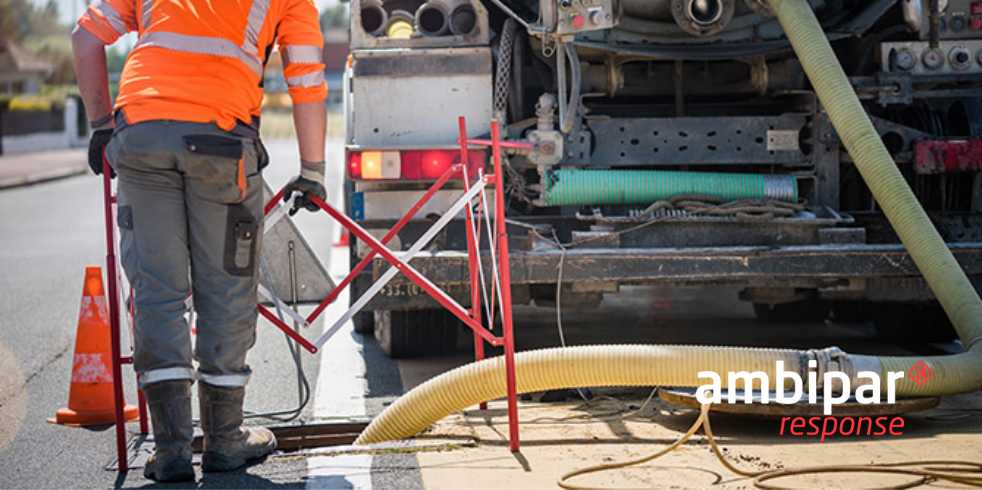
<point x="90" y="397"/>
<point x="344" y="240"/>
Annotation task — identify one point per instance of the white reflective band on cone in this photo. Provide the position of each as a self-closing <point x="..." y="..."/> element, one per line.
<point x="309" y="80"/>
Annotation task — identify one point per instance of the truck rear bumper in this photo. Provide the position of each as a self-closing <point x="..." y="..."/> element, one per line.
<point x="873" y="272"/>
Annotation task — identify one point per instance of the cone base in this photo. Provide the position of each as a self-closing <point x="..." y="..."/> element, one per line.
<point x="73" y="418"/>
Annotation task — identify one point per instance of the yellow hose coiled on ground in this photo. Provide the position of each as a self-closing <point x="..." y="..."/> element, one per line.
<point x="548" y="369"/>
<point x="677" y="366"/>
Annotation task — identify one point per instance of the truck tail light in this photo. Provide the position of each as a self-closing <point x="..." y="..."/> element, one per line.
<point x="947" y="156"/>
<point x="409" y="164"/>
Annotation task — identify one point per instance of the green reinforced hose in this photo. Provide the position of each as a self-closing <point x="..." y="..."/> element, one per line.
<point x="678" y="366"/>
<point x="582" y="187"/>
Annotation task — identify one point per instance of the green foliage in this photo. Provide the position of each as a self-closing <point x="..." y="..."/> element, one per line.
<point x="116" y="58"/>
<point x="21" y="20"/>
<point x="37" y="29"/>
<point x="335" y="17"/>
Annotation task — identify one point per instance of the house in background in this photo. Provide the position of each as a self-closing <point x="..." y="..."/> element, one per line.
<point x="20" y="71"/>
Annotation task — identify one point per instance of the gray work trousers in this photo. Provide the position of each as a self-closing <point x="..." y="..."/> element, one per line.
<point x="190" y="217"/>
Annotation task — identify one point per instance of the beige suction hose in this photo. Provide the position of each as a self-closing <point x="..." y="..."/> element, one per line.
<point x="952" y="374"/>
<point x="678" y="365"/>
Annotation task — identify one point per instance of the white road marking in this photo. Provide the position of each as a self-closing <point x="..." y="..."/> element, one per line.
<point x="340" y="392"/>
<point x="344" y="471"/>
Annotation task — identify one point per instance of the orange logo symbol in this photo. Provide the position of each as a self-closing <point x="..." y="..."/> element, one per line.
<point x="921" y="372"/>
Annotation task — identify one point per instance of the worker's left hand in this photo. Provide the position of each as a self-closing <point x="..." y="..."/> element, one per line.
<point x="97" y="147"/>
<point x="308" y="188"/>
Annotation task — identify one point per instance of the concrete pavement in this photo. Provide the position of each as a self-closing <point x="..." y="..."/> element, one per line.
<point x="31" y="168"/>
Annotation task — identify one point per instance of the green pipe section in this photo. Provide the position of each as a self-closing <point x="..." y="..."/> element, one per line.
<point x="926" y="247"/>
<point x="585" y="187"/>
<point x="679" y="365"/>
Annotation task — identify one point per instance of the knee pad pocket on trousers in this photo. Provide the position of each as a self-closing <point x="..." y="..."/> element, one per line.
<point x="241" y="230"/>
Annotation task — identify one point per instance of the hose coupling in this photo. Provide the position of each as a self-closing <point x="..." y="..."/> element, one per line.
<point x="821" y="361"/>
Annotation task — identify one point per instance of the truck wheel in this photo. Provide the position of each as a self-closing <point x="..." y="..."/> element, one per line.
<point x="416" y="333"/>
<point x="364" y="322"/>
<point x="809" y="310"/>
<point x="905" y="323"/>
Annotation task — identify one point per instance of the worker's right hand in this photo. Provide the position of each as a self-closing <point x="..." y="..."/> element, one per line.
<point x="97" y="147"/>
<point x="308" y="183"/>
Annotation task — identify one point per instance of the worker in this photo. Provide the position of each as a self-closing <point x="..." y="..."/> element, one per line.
<point x="183" y="138"/>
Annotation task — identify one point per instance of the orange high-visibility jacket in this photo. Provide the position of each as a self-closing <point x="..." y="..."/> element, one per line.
<point x="203" y="60"/>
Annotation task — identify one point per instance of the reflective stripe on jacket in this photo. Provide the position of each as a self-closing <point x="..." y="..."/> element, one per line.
<point x="203" y="60"/>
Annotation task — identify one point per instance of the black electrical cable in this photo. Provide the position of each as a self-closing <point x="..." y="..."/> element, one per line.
<point x="292" y="414"/>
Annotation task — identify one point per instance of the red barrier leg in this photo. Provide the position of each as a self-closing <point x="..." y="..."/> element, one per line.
<point x="474" y="257"/>
<point x="142" y="405"/>
<point x="113" y="293"/>
<point x="506" y="320"/>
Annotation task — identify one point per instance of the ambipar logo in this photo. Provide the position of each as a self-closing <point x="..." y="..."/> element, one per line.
<point x="835" y="385"/>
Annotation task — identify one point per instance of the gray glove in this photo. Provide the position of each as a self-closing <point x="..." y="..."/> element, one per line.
<point x="310" y="182"/>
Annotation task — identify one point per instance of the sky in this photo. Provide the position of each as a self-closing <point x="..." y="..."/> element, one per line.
<point x="69" y="10"/>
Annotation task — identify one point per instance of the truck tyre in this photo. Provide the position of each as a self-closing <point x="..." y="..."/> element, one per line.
<point x="809" y="310"/>
<point x="416" y="333"/>
<point x="364" y="322"/>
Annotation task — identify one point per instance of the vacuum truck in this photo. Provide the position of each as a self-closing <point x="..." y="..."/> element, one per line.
<point x="672" y="142"/>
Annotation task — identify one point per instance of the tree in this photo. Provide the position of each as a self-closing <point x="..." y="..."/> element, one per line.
<point x="335" y="17"/>
<point x="38" y="30"/>
<point x="20" y="20"/>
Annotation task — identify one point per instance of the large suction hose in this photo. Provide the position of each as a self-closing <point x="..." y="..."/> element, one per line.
<point x="667" y="365"/>
<point x="926" y="247"/>
<point x="548" y="369"/>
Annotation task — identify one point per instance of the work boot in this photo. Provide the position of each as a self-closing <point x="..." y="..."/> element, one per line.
<point x="170" y="411"/>
<point x="228" y="445"/>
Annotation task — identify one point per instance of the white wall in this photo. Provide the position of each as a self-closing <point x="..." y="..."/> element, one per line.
<point x="27" y="143"/>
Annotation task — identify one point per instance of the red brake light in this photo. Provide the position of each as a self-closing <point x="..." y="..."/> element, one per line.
<point x="413" y="164"/>
<point x="354" y="165"/>
<point x="435" y="162"/>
